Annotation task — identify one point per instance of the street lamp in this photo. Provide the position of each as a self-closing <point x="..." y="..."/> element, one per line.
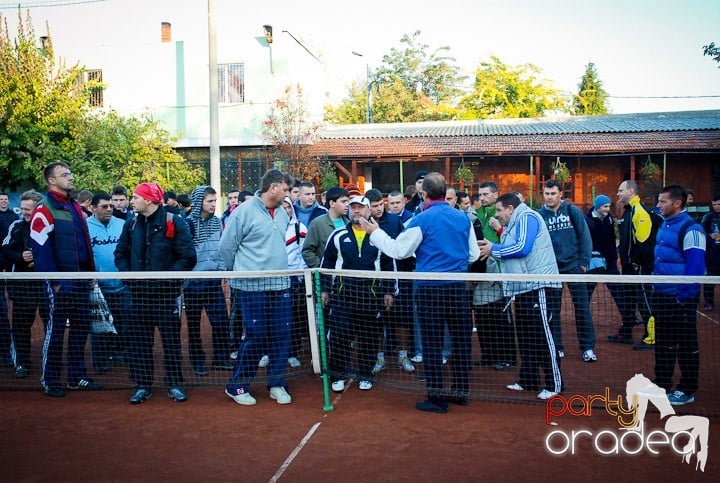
<point x="368" y="89"/>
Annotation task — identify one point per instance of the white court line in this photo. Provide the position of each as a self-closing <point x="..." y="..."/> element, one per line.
<point x="295" y="452"/>
<point x="706" y="316"/>
<point x="304" y="441"/>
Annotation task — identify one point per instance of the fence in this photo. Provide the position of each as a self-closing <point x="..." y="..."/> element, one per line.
<point x="489" y="336"/>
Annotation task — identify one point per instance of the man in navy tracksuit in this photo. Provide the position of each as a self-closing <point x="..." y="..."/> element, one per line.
<point x="61" y="243"/>
<point x="442" y="240"/>
<point x="357" y="305"/>
<point x="679" y="251"/>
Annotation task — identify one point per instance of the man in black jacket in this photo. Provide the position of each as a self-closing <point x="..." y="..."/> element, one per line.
<point x="28" y="296"/>
<point x="154" y="241"/>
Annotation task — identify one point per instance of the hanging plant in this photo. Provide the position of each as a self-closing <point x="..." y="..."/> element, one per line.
<point x="464" y="174"/>
<point x="561" y="171"/>
<point x="651" y="171"/>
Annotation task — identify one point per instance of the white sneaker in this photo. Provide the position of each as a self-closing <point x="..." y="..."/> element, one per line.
<point x="365" y="385"/>
<point x="417" y="358"/>
<point x="515" y="387"/>
<point x="445" y="360"/>
<point x="244" y="398"/>
<point x="294" y="362"/>
<point x="405" y="364"/>
<point x="280" y="395"/>
<point x="561" y="354"/>
<point x="379" y="365"/>
<point x="545" y="394"/>
<point x="338" y="386"/>
<point x="589" y="356"/>
<point x="233" y="355"/>
<point x="264" y="361"/>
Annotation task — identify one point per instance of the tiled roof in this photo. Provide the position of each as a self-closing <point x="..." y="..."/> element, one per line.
<point x="615" y="133"/>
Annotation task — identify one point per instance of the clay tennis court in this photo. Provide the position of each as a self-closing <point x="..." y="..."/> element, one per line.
<point x="369" y="436"/>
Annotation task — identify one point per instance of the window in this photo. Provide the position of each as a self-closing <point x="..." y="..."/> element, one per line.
<point x="94" y="90"/>
<point x="231" y="83"/>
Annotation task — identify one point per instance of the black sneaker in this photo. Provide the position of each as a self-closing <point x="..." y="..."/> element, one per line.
<point x="620" y="339"/>
<point x="54" y="391"/>
<point x="21" y="372"/>
<point x="84" y="384"/>
<point x="642" y="346"/>
<point x="141" y="394"/>
<point x="200" y="370"/>
<point x="431" y="407"/>
<point x="503" y="366"/>
<point x="223" y="365"/>
<point x="177" y="394"/>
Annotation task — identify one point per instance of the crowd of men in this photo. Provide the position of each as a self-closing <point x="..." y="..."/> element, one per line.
<point x="433" y="229"/>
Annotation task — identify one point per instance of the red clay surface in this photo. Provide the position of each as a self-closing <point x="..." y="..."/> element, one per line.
<point x="369" y="436"/>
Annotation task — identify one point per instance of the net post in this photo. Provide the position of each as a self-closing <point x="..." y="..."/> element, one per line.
<point x="323" y="342"/>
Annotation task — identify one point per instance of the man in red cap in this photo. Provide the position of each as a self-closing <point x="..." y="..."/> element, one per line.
<point x="154" y="240"/>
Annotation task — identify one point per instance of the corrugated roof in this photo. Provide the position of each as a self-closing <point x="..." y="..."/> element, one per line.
<point x="614" y="133"/>
<point x="611" y="123"/>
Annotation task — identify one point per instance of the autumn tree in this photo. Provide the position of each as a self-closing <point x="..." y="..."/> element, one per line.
<point x="289" y="130"/>
<point x="591" y="97"/>
<point x="508" y="91"/>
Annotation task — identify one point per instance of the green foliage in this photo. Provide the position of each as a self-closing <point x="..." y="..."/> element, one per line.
<point x="289" y="130"/>
<point x="328" y="174"/>
<point x="591" y="97"/>
<point x="129" y="150"/>
<point x="39" y="107"/>
<point x="712" y="51"/>
<point x="506" y="91"/>
<point x="44" y="118"/>
<point x="412" y="84"/>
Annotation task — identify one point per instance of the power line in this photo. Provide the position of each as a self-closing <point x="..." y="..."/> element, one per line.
<point x="51" y="3"/>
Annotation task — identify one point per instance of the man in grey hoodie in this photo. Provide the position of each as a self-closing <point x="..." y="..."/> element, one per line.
<point x="254" y="240"/>
<point x="573" y="248"/>
<point x="207" y="294"/>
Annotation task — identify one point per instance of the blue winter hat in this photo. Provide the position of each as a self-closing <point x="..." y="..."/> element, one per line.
<point x="601" y="200"/>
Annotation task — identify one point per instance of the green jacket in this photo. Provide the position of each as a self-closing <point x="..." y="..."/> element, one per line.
<point x="484" y="214"/>
<point x="318" y="233"/>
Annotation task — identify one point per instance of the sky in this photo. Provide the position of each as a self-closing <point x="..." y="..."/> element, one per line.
<point x="648" y="53"/>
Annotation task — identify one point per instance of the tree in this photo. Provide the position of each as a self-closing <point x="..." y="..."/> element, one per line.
<point x="39" y="105"/>
<point x="113" y="149"/>
<point x="412" y="84"/>
<point x="505" y="91"/>
<point x="289" y="130"/>
<point x="591" y="97"/>
<point x="712" y="51"/>
<point x="44" y="117"/>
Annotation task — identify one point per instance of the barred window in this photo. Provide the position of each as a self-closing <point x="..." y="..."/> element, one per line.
<point x="96" y="92"/>
<point x="231" y="82"/>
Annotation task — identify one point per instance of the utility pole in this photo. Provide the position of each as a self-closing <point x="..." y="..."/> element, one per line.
<point x="213" y="107"/>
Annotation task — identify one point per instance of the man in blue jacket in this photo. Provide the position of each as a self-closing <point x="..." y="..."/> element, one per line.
<point x="442" y="240"/>
<point x="60" y="243"/>
<point x="679" y="251"/>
